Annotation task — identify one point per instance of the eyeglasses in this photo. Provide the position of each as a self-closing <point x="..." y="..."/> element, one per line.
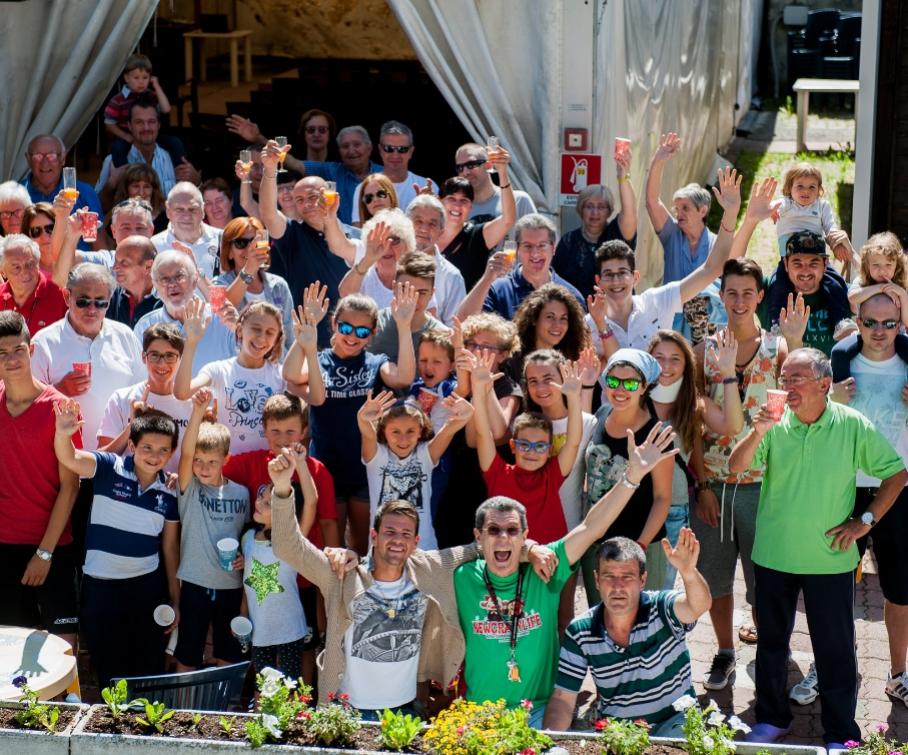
<point x="51" y="157"/>
<point x="179" y="279"/>
<point x="83" y="302"/>
<point x="242" y="242"/>
<point x="796" y="381"/>
<point x="194" y="210"/>
<point x="316" y="129"/>
<point x="168" y="357"/>
<point x="542" y="246"/>
<point x="7" y="214"/>
<point x="616" y="276"/>
<point x="36" y="230"/>
<point x="488" y="347"/>
<point x="360" y="331"/>
<point x="469" y="165"/>
<point x="493" y="530"/>
<point x="629" y="384"/>
<point x="134" y="202"/>
<point x="537" y="447"/>
<point x="870" y="323"/>
<point x="391" y="149"/>
<point x="381" y="194"/>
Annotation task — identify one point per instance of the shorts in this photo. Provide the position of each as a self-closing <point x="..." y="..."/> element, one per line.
<point x="888" y="537"/>
<point x="199" y="607"/>
<point x="721" y="546"/>
<point x="53" y="606"/>
<point x="309" y="599"/>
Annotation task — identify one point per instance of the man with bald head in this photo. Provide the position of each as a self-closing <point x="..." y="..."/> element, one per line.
<point x="301" y="255"/>
<point x="184" y="207"/>
<point x="134" y="295"/>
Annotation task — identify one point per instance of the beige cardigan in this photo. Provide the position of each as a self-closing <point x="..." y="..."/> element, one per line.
<point x="432" y="572"/>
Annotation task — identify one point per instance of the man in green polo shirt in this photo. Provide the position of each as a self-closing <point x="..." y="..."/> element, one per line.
<point x="805" y="539"/>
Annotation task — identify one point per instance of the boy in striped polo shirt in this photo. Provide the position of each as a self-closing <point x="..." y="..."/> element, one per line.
<point x="634" y="640"/>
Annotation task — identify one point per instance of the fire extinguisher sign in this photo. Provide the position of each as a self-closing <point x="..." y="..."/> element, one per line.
<point x="578" y="172"/>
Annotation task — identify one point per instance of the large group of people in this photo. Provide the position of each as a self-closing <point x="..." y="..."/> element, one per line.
<point x="246" y="389"/>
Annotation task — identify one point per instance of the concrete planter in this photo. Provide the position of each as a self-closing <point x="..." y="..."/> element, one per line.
<point x="34" y="742"/>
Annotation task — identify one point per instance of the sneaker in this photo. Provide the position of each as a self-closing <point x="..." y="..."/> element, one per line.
<point x="766" y="733"/>
<point x="805" y="691"/>
<point x="897" y="687"/>
<point x="721" y="672"/>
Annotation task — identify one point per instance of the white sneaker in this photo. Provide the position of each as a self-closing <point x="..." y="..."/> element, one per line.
<point x="897" y="687"/>
<point x="805" y="691"/>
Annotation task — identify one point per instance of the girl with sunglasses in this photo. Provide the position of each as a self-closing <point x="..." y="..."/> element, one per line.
<point x="337" y="380"/>
<point x="376" y="193"/>
<point x="38" y="225"/>
<point x="244" y="271"/>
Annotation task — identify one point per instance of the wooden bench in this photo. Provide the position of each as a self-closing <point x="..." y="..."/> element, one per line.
<point x="234" y="38"/>
<point x="826" y="86"/>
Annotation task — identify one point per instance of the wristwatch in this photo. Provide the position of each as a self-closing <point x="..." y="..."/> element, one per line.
<point x="868" y="519"/>
<point x="245" y="277"/>
<point x="44" y="555"/>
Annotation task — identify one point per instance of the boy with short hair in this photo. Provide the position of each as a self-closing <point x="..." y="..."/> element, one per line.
<point x="212" y="507"/>
<point x="137" y="78"/>
<point x="134" y="519"/>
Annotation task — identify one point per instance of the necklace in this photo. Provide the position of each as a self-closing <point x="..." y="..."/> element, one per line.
<point x="391" y="611"/>
<point x="516" y="615"/>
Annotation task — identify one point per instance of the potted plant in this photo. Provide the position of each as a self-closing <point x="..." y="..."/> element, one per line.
<point x="36" y="727"/>
<point x="877" y="743"/>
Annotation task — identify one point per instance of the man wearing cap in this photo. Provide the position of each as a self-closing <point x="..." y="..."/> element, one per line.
<point x="806" y="539"/>
<point x="808" y="276"/>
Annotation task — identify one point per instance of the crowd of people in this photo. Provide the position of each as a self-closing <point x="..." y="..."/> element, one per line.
<point x="397" y="421"/>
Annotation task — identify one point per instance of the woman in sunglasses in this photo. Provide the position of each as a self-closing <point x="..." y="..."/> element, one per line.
<point x="244" y="271"/>
<point x="376" y="192"/>
<point x="38" y="225"/>
<point x="630" y="377"/>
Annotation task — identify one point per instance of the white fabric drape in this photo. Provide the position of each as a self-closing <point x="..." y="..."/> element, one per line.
<point x="60" y="58"/>
<point x="498" y="65"/>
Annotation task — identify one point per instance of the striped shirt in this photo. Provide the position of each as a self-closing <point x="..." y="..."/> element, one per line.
<point x="641" y="680"/>
<point x="123" y="538"/>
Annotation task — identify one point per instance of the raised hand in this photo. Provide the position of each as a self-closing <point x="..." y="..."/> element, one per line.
<point x="570" y="379"/>
<point x="760" y="206"/>
<point x="373" y="408"/>
<point x="481" y="377"/>
<point x="304" y="329"/>
<point x="643" y="458"/>
<point x="201" y="399"/>
<point x="669" y="146"/>
<point x="271" y="154"/>
<point x="793" y="319"/>
<point x="316" y="302"/>
<point x="685" y="554"/>
<point x="195" y="322"/>
<point x="244" y="128"/>
<point x="725" y="353"/>
<point x="241" y="171"/>
<point x="459" y="409"/>
<point x="498" y="264"/>
<point x="137" y="408"/>
<point x="596" y="305"/>
<point x="378" y="242"/>
<point x="281" y="469"/>
<point x="457" y="333"/>
<point x="427" y="189"/>
<point x="67" y="421"/>
<point x="403" y="305"/>
<point x="590" y="367"/>
<point x="728" y="189"/>
<point x="623" y="163"/>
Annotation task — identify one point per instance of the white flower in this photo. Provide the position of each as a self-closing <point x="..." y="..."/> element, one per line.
<point x="715" y="718"/>
<point x="685" y="702"/>
<point x="289" y="683"/>
<point x="271" y="674"/>
<point x="738" y="725"/>
<point x="270" y="687"/>
<point x="711" y="706"/>
<point x="708" y="742"/>
<point x="270" y="723"/>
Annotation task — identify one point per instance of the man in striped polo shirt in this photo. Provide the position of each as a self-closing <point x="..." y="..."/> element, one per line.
<point x="634" y="640"/>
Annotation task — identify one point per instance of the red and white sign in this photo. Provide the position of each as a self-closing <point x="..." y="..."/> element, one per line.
<point x="578" y="172"/>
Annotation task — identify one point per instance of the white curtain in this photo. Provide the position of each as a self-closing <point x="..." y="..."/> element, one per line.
<point x="498" y="65"/>
<point x="60" y="58"/>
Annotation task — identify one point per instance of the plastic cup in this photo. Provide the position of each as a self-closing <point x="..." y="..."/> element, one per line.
<point x="775" y="402"/>
<point x="83" y="368"/>
<point x="241" y="628"/>
<point x="622" y="146"/>
<point x="227" y="548"/>
<point x="330" y="193"/>
<point x="510" y="251"/>
<point x="90" y="226"/>
<point x="217" y="296"/>
<point x="164" y="615"/>
<point x="70" y="189"/>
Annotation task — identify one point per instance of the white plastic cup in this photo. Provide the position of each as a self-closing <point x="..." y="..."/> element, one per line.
<point x="227" y="548"/>
<point x="164" y="615"/>
<point x="241" y="628"/>
<point x="775" y="402"/>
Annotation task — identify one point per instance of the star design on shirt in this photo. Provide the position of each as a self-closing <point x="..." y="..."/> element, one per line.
<point x="263" y="579"/>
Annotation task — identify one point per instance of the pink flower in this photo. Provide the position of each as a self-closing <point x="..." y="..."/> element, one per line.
<point x="343" y="697"/>
<point x="528" y="751"/>
<point x="882" y="728"/>
<point x="332" y="696"/>
<point x="526" y="704"/>
<point x="460" y="731"/>
<point x="851" y="744"/>
<point x="601" y="724"/>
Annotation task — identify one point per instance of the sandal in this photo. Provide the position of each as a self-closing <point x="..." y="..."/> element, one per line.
<point x="748" y="634"/>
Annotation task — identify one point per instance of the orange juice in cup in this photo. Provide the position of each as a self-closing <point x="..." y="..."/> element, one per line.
<point x="510" y="250"/>
<point x="70" y="189"/>
<point x="263" y="246"/>
<point x="330" y="193"/>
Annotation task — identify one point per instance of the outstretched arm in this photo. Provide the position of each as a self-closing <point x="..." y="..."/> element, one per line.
<point x="200" y="401"/>
<point x="571" y="389"/>
<point x="696" y="599"/>
<point x="627" y="215"/>
<point x="495" y="230"/>
<point x="68" y="423"/>
<point x="759" y="208"/>
<point x="669" y="146"/>
<point x="459" y="413"/>
<point x="367" y="417"/>
<point x="272" y="217"/>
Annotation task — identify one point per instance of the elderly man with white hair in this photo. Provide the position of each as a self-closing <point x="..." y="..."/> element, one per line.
<point x="175" y="277"/>
<point x="14" y="199"/>
<point x="86" y="355"/>
<point x="27" y="290"/>
<point x="185" y="210"/>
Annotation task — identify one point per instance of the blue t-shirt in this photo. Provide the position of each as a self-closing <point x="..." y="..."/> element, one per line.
<point x="336" y="441"/>
<point x="507" y="293"/>
<point x="345" y="180"/>
<point x="678" y="260"/>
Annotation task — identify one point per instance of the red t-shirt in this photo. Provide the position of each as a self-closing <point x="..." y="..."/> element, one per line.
<point x="251" y="470"/>
<point x="537" y="491"/>
<point x="44" y="307"/>
<point x="29" y="473"/>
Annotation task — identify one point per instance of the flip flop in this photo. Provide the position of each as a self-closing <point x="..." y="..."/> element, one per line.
<point x="748" y="634"/>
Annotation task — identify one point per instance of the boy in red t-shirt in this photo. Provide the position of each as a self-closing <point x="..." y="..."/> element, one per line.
<point x="536" y="477"/>
<point x="286" y="426"/>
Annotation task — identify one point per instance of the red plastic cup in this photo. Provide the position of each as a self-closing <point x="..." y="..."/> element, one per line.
<point x="90" y="226"/>
<point x="622" y="147"/>
<point x="217" y="297"/>
<point x="775" y="402"/>
<point x="83" y="368"/>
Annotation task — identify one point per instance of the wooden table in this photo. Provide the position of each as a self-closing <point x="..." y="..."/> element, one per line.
<point x="45" y="659"/>
<point x="234" y="37"/>
<point x="826" y="86"/>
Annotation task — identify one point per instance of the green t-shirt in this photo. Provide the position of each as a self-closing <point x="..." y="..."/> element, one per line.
<point x="808" y="487"/>
<point x="819" y="328"/>
<point x="488" y="640"/>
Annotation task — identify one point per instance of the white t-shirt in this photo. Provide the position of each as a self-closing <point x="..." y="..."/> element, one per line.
<point x="395" y="479"/>
<point x="241" y="393"/>
<point x="816" y="217"/>
<point x="879" y="398"/>
<point x="404" y="191"/>
<point x="116" y="414"/>
<point x="116" y="362"/>
<point x="652" y="310"/>
<point x="571" y="490"/>
<point x="206" y="248"/>
<point x="382" y="645"/>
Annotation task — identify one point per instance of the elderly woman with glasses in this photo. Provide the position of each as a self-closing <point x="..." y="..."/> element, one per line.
<point x="38" y="224"/>
<point x="245" y="273"/>
<point x="14" y="200"/>
<point x="86" y="355"/>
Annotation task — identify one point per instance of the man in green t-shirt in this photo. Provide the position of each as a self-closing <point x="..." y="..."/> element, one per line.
<point x="509" y="615"/>
<point x="805" y="539"/>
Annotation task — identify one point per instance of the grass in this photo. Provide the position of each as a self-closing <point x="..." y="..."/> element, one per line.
<point x="837" y="167"/>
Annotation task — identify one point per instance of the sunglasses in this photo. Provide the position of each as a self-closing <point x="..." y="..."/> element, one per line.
<point x="37" y="230"/>
<point x="629" y="384"/>
<point x="469" y="165"/>
<point x="316" y="129"/>
<point x="495" y="531"/>
<point x="870" y="323"/>
<point x="360" y="331"/>
<point x="83" y="302"/>
<point x="391" y="149"/>
<point x="134" y="202"/>
<point x="242" y="242"/>
<point x="381" y="194"/>
<point x="538" y="447"/>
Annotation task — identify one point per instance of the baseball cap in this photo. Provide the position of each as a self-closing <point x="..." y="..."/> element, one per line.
<point x="805" y="242"/>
